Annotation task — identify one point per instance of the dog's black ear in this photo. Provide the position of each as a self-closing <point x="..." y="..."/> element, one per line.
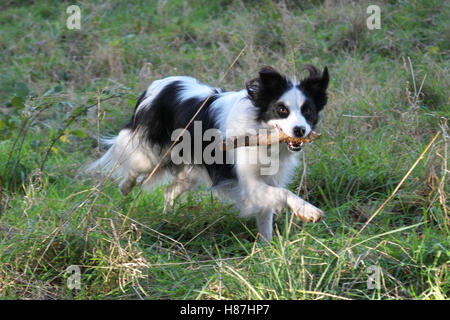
<point x="316" y="81"/>
<point x="325" y="78"/>
<point x="253" y="86"/>
<point x="271" y="79"/>
<point x="269" y="83"/>
<point x="316" y="85"/>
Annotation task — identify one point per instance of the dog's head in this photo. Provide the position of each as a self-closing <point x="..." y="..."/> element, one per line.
<point x="290" y="107"/>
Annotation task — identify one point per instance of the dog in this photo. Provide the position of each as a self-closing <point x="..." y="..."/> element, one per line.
<point x="271" y="101"/>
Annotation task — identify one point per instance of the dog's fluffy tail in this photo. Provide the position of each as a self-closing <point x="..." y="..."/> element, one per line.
<point x="129" y="160"/>
<point x="107" y="161"/>
<point x="123" y="158"/>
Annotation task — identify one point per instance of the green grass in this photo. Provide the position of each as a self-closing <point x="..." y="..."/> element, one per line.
<point x="378" y="121"/>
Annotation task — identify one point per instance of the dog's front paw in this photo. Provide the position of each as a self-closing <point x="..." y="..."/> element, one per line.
<point x="306" y="211"/>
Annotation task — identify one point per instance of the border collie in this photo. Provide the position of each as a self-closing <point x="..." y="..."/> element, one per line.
<point x="270" y="101"/>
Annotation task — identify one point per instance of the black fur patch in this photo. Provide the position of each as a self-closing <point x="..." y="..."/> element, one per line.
<point x="168" y="112"/>
<point x="314" y="87"/>
<point x="130" y="124"/>
<point x="310" y="112"/>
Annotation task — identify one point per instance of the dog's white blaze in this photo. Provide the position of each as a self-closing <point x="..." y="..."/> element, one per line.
<point x="293" y="99"/>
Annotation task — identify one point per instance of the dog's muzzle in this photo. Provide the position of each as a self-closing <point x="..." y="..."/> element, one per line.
<point x="292" y="146"/>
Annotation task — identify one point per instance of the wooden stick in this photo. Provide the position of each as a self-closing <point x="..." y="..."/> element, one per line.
<point x="266" y="140"/>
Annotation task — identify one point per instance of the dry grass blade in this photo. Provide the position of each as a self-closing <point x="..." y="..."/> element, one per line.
<point x="245" y="282"/>
<point x="318" y="241"/>
<point x="399" y="184"/>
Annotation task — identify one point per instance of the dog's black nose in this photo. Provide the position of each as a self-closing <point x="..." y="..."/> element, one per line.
<point x="299" y="131"/>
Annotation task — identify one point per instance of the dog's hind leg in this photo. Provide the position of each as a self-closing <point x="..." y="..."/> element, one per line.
<point x="185" y="179"/>
<point x="127" y="184"/>
<point x="130" y="159"/>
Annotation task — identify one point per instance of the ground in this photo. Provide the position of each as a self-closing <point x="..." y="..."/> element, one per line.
<point x="61" y="89"/>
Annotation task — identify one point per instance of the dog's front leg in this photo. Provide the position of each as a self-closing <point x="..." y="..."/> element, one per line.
<point x="261" y="195"/>
<point x="303" y="209"/>
<point x="264" y="220"/>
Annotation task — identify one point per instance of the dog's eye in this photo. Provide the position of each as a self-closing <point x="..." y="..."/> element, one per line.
<point x="283" y="111"/>
<point x="306" y="110"/>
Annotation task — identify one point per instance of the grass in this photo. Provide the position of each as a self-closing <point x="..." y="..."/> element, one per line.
<point x="60" y="89"/>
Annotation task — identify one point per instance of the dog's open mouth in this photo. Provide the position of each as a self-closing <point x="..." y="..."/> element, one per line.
<point x="295" y="147"/>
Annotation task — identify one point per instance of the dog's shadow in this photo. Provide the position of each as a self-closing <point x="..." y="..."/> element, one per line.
<point x="197" y="219"/>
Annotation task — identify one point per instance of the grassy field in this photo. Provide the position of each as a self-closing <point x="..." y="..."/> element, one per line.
<point x="389" y="96"/>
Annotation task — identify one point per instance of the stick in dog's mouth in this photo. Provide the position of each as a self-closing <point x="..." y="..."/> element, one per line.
<point x="271" y="138"/>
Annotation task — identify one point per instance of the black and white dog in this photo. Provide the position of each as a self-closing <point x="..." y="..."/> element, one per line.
<point x="270" y="102"/>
